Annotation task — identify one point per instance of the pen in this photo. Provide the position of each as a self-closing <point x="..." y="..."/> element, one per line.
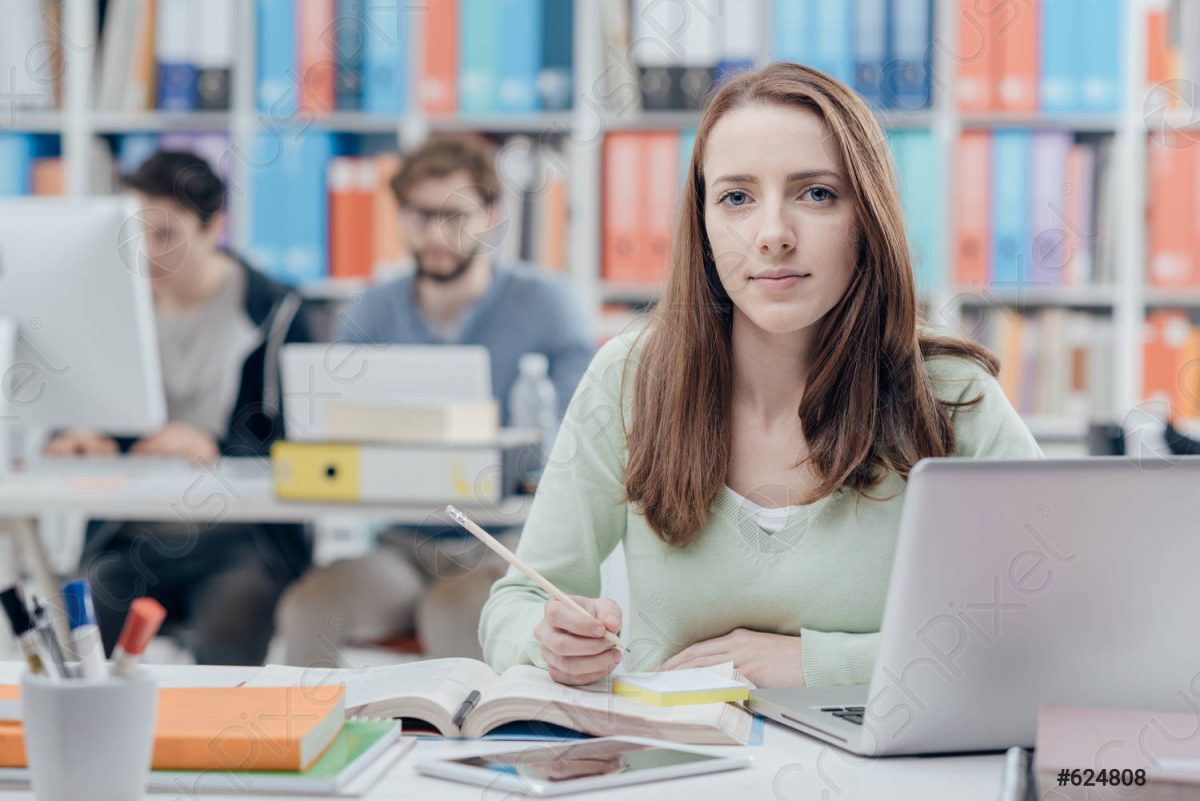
<point x="141" y="624"/>
<point x="515" y="561"/>
<point x="25" y="632"/>
<point x="465" y="708"/>
<point x="50" y="638"/>
<point x="85" y="634"/>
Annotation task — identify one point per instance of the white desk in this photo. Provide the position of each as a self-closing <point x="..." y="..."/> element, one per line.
<point x="789" y="766"/>
<point x="227" y="491"/>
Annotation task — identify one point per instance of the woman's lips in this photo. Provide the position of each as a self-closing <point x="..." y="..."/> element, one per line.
<point x="780" y="282"/>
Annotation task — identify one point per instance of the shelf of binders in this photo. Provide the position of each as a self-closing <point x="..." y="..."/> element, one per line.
<point x="1081" y="297"/>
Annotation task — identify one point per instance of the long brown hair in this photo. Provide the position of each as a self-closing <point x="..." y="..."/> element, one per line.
<point x="868" y="405"/>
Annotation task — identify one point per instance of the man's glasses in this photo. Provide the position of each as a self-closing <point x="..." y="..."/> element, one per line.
<point x="453" y="218"/>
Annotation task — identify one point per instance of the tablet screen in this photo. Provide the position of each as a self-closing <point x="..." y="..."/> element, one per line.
<point x="584" y="759"/>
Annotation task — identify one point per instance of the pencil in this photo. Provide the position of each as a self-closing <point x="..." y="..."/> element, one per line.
<point x="534" y="576"/>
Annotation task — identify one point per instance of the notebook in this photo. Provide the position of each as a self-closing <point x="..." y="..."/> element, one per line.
<point x="431" y="691"/>
<point x="226" y="728"/>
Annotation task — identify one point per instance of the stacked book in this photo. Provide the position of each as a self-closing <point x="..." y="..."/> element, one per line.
<point x="417" y="425"/>
<point x="248" y="740"/>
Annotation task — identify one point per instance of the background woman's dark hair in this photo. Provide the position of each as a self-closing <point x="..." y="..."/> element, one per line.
<point x="869" y="404"/>
<point x="182" y="177"/>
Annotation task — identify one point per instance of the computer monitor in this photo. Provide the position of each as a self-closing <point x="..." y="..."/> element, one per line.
<point x="74" y="279"/>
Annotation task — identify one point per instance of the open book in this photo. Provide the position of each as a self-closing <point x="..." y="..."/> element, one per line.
<point x="432" y="691"/>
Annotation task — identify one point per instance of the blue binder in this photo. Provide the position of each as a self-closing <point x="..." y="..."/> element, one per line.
<point x="555" y="80"/>
<point x="349" y="25"/>
<point x="830" y="38"/>
<point x="520" y="56"/>
<point x="479" y="26"/>
<point x="276" y="50"/>
<point x="911" y="34"/>
<point x="871" y="56"/>
<point x="1059" y="54"/>
<point x="386" y="58"/>
<point x="1010" y="207"/>
<point x="1103" y="48"/>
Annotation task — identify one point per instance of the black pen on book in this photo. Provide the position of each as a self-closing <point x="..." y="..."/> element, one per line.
<point x="465" y="708"/>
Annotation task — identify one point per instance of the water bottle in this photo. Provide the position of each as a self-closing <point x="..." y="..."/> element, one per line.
<point x="533" y="404"/>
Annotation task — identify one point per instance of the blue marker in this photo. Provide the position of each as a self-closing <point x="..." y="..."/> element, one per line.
<point x="85" y="634"/>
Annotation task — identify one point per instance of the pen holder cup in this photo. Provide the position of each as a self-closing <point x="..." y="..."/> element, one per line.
<point x="89" y="739"/>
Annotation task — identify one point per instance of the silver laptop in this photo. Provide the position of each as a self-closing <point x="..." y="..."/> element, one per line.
<point x="1019" y="583"/>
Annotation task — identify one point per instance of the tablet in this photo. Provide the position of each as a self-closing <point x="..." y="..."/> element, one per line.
<point x="547" y="770"/>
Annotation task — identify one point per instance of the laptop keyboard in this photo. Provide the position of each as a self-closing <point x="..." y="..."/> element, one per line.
<point x="850" y="714"/>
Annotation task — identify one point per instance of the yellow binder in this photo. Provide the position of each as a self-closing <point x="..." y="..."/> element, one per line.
<point x="317" y="471"/>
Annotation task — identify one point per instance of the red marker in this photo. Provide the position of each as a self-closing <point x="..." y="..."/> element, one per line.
<point x="141" y="624"/>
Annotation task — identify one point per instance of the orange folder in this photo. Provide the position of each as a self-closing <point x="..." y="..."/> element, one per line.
<point x="660" y="165"/>
<point x="972" y="203"/>
<point x="351" y="200"/>
<point x="316" y="56"/>
<point x="974" y="57"/>
<point x="1164" y="335"/>
<point x="1016" y="26"/>
<point x="388" y="247"/>
<point x="622" y="206"/>
<point x="439" y="75"/>
<point x="1173" y="225"/>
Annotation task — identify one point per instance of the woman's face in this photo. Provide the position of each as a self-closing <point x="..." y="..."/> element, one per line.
<point x="778" y="215"/>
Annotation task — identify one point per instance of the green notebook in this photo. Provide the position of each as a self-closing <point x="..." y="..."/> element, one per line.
<point x="360" y="744"/>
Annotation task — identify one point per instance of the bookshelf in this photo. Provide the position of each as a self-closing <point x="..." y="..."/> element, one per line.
<point x="581" y="132"/>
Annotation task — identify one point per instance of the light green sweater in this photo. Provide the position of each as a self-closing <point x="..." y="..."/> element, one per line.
<point x="823" y="576"/>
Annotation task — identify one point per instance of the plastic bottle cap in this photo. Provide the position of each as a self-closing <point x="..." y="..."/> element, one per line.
<point x="534" y="364"/>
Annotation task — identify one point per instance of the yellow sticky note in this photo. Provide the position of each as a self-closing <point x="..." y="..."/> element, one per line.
<point x="680" y="687"/>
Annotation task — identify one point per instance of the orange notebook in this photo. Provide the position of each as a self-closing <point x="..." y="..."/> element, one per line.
<point x="226" y="728"/>
<point x="315" y="55"/>
<point x="624" y="190"/>
<point x="975" y="57"/>
<point x="439" y="78"/>
<point x="972" y="201"/>
<point x="1016" y="26"/>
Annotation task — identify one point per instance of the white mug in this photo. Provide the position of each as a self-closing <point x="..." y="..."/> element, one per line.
<point x="89" y="739"/>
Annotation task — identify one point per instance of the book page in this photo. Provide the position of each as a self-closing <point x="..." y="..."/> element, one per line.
<point x="445" y="682"/>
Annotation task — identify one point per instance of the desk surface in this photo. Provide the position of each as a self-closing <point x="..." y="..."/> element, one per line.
<point x="788" y="765"/>
<point x="229" y="490"/>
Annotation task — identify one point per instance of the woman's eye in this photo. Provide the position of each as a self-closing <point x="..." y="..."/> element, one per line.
<point x="735" y="198"/>
<point x="821" y="194"/>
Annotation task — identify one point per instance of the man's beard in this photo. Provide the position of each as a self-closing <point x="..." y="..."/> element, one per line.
<point x="446" y="278"/>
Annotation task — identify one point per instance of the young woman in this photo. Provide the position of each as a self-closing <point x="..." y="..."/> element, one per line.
<point x="750" y="448"/>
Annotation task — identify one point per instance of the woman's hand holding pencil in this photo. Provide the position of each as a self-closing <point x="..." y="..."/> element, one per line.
<point x="578" y="634"/>
<point x="574" y="642"/>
